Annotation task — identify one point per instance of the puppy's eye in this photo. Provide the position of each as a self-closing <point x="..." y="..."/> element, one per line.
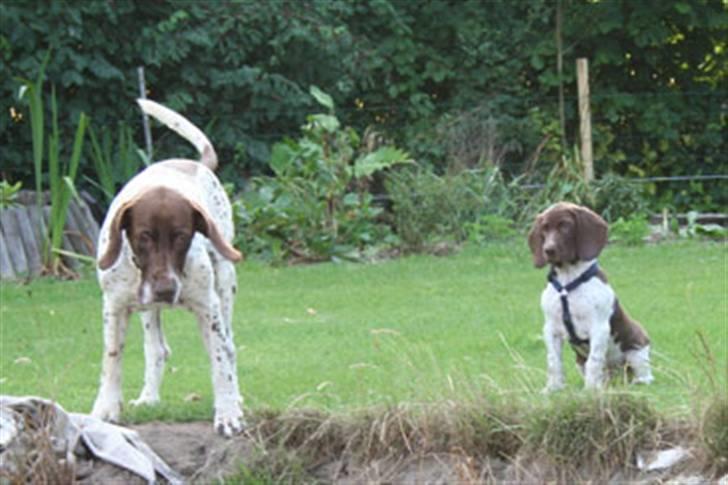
<point x="180" y="237"/>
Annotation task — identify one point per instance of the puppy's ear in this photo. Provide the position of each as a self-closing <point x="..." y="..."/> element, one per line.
<point x="205" y="225"/>
<point x="535" y="242"/>
<point x="591" y="233"/>
<point x="121" y="221"/>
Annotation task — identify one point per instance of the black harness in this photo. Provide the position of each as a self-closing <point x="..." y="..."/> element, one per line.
<point x="564" y="291"/>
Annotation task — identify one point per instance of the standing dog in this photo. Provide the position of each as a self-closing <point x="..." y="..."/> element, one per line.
<point x="166" y="242"/>
<point x="578" y="303"/>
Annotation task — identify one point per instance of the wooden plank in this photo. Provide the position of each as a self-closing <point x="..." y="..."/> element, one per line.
<point x="32" y="251"/>
<point x="13" y="241"/>
<point x="6" y="267"/>
<point x="87" y="226"/>
<point x="74" y="233"/>
<point x="38" y="229"/>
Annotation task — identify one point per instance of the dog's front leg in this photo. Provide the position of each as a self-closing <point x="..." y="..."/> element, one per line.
<point x="109" y="399"/>
<point x="595" y="366"/>
<point x="554" y="345"/>
<point x="218" y="335"/>
<point x="156" y="353"/>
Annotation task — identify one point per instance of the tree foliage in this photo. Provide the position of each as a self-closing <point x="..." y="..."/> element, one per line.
<point x="412" y="70"/>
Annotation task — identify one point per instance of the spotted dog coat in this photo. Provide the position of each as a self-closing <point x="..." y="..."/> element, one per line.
<point x="569" y="238"/>
<point x="166" y="242"/>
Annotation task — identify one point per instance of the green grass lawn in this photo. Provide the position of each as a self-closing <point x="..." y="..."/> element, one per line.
<point x="344" y="336"/>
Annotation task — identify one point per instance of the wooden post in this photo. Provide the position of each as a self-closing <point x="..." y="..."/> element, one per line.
<point x="582" y="76"/>
<point x="145" y="118"/>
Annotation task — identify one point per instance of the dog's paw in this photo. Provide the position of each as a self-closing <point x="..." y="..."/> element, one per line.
<point x="229" y="420"/>
<point x="107" y="410"/>
<point x="145" y="399"/>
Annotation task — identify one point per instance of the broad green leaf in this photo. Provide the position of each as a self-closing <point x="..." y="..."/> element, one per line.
<point x="380" y="159"/>
<point x="323" y="99"/>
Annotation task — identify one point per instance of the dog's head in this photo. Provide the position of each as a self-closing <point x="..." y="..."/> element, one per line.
<point x="160" y="224"/>
<point x="566" y="233"/>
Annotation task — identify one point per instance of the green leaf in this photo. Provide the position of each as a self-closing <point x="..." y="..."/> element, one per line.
<point x="282" y="158"/>
<point x="329" y="123"/>
<point x="380" y="159"/>
<point x="323" y="99"/>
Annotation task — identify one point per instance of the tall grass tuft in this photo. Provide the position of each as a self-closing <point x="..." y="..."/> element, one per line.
<point x="714" y="433"/>
<point x="61" y="177"/>
<point x="114" y="164"/>
<point x="597" y="431"/>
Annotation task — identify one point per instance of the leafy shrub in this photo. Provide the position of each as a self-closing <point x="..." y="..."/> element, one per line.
<point x="9" y="193"/>
<point x="317" y="206"/>
<point x="490" y="227"/>
<point x="427" y="207"/>
<point x="631" y="231"/>
<point x="617" y="197"/>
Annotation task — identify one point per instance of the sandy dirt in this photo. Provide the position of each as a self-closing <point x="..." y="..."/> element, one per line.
<point x="201" y="456"/>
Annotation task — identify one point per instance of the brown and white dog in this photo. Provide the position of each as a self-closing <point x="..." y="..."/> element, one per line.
<point x="166" y="242"/>
<point x="570" y="238"/>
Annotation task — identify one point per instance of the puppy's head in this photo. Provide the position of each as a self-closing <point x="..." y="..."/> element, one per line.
<point x="160" y="225"/>
<point x="566" y="233"/>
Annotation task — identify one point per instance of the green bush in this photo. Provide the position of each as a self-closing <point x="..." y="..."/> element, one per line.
<point x="631" y="231"/>
<point x="427" y="208"/>
<point x="318" y="205"/>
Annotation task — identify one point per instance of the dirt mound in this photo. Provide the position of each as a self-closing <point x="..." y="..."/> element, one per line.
<point x="201" y="456"/>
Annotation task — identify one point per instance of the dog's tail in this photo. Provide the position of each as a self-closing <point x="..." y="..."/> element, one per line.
<point x="184" y="128"/>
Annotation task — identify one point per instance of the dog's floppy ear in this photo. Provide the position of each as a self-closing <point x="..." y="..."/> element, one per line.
<point x="535" y="242"/>
<point x="120" y="222"/>
<point x="591" y="233"/>
<point x="205" y="225"/>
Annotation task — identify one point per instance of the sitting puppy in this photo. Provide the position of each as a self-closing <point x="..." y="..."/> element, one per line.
<point x="578" y="303"/>
<point x="166" y="242"/>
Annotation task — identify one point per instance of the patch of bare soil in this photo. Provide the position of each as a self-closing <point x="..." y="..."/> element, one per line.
<point x="201" y="456"/>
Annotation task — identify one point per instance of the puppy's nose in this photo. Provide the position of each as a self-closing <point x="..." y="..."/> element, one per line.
<point x="550" y="251"/>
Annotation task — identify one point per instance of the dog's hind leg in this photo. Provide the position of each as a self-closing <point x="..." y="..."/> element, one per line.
<point x="639" y="361"/>
<point x="109" y="399"/>
<point x="156" y="353"/>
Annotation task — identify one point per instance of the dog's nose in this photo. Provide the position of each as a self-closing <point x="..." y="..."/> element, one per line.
<point x="165" y="291"/>
<point x="550" y="251"/>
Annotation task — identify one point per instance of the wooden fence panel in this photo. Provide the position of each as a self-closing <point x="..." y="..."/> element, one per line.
<point x="14" y="241"/>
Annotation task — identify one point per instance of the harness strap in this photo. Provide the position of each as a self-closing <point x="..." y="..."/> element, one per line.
<point x="563" y="291"/>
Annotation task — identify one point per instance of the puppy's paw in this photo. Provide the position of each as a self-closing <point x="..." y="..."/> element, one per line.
<point x="551" y="388"/>
<point x="229" y="420"/>
<point x="643" y="380"/>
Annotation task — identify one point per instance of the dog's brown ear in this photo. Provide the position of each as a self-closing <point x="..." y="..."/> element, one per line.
<point x="591" y="233"/>
<point x="206" y="226"/>
<point x="535" y="242"/>
<point x="120" y="222"/>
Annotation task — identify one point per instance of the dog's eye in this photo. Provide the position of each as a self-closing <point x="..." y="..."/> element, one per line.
<point x="145" y="237"/>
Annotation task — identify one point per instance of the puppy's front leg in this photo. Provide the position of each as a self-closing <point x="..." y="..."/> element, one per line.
<point x="554" y="345"/>
<point x="595" y="367"/>
<point x="109" y="399"/>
